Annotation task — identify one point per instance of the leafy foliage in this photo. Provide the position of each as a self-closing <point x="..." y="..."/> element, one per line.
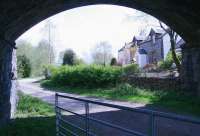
<point x="69" y="57"/>
<point x="167" y="63"/>
<point x="131" y="69"/>
<point x="164" y="65"/>
<point x="85" y="75"/>
<point x="125" y="89"/>
<point x="23" y="66"/>
<point x="39" y="55"/>
<point x="113" y="62"/>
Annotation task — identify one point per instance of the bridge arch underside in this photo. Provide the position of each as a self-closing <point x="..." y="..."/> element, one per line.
<point x="18" y="16"/>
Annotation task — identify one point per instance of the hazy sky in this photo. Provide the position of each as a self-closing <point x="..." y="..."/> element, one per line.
<point x="81" y="28"/>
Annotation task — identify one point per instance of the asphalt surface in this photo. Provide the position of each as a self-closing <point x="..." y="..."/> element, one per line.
<point x="134" y="121"/>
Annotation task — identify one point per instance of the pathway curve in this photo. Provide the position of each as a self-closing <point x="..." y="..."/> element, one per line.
<point x="135" y="121"/>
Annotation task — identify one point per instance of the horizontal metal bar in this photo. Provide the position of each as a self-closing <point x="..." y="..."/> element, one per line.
<point x="82" y="116"/>
<point x="144" y="111"/>
<point x="71" y="124"/>
<point x="66" y="130"/>
<point x="77" y="127"/>
<point x="62" y="134"/>
<point x="177" y="117"/>
<point x="107" y="104"/>
<point x="116" y="126"/>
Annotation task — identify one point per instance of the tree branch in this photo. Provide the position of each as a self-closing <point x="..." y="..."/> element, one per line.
<point x="165" y="29"/>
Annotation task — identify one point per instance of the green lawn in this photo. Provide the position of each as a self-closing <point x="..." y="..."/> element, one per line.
<point x="178" y="102"/>
<point x="33" y="118"/>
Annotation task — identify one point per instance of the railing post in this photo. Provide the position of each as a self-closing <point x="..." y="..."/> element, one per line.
<point x="57" y="116"/>
<point x="152" y="125"/>
<point x="87" y="118"/>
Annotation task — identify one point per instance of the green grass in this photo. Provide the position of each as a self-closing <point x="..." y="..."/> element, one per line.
<point x="171" y="101"/>
<point x="32" y="107"/>
<point x="33" y="117"/>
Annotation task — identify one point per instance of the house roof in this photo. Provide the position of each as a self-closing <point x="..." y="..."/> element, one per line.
<point x="139" y="38"/>
<point x="121" y="49"/>
<point x="145" y="39"/>
<point x="156" y="31"/>
<point x="128" y="45"/>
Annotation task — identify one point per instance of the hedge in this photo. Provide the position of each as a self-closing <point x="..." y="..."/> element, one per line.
<point x="86" y="75"/>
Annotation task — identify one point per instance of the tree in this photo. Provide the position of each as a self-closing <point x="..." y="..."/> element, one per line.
<point x="102" y="53"/>
<point x="69" y="57"/>
<point x="173" y="40"/>
<point x="113" y="62"/>
<point x="41" y="57"/>
<point x="25" y="54"/>
<point x="37" y="55"/>
<point x="24" y="48"/>
<point x="23" y="66"/>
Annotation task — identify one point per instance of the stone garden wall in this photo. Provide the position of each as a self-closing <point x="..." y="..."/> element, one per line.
<point x="155" y="83"/>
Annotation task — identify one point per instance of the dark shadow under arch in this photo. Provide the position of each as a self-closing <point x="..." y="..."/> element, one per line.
<point x="30" y="13"/>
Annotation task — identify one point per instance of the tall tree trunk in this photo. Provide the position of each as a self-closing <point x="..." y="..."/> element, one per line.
<point x="174" y="56"/>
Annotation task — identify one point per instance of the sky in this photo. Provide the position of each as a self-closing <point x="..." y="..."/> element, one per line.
<point x="82" y="28"/>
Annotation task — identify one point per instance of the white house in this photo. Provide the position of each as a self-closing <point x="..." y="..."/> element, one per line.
<point x="148" y="50"/>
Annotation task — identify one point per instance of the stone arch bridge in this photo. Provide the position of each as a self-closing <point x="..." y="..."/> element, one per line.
<point x="18" y="16"/>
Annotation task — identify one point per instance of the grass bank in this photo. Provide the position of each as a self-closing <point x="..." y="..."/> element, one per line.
<point x="178" y="102"/>
<point x="33" y="117"/>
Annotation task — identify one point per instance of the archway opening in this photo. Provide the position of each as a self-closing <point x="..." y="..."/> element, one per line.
<point x="13" y="33"/>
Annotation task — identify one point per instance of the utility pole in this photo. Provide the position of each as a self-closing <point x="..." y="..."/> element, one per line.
<point x="48" y="28"/>
<point x="49" y="40"/>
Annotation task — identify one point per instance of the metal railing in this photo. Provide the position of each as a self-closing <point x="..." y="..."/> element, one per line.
<point x="87" y="118"/>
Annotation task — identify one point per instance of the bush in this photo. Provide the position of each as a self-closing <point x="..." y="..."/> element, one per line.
<point x="23" y="66"/>
<point x="69" y="57"/>
<point x="47" y="71"/>
<point x="125" y="89"/>
<point x="167" y="63"/>
<point x="131" y="69"/>
<point x="113" y="62"/>
<point x="85" y="76"/>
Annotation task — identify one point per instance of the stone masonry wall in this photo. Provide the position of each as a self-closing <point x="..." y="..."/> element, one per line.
<point x="190" y="73"/>
<point x="13" y="97"/>
<point x="155" y="83"/>
<point x="5" y="81"/>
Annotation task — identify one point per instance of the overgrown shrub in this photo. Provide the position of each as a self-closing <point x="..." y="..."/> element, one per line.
<point x="23" y="66"/>
<point x="113" y="62"/>
<point x="48" y="70"/>
<point x="167" y="63"/>
<point x="69" y="57"/>
<point x="86" y="75"/>
<point x="130" y="69"/>
<point x="125" y="89"/>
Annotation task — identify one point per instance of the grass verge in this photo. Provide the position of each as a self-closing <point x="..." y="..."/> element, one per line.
<point x="33" y="117"/>
<point x="171" y="101"/>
